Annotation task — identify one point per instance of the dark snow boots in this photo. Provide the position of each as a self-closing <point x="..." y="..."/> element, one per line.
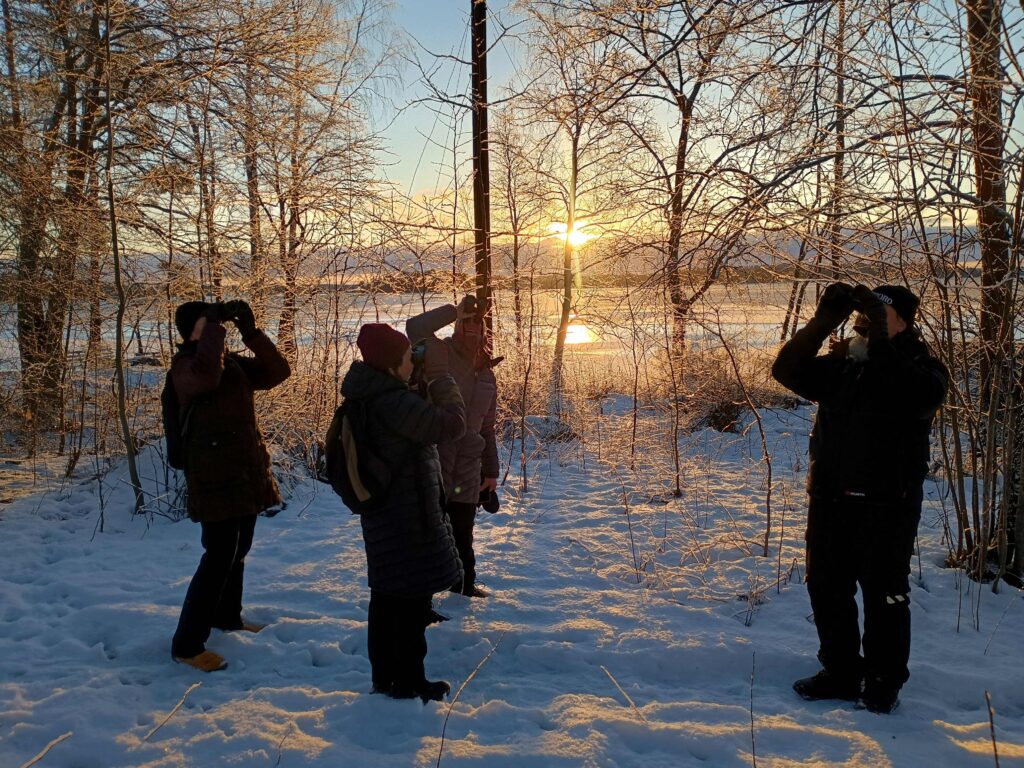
<point x="878" y="696"/>
<point x="825" y="685"/>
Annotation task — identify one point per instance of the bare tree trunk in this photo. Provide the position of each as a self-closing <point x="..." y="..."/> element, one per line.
<point x="44" y="286"/>
<point x="680" y="308"/>
<point x="792" y="317"/>
<point x="206" y="222"/>
<point x="557" y="384"/>
<point x="168" y="293"/>
<point x="290" y="208"/>
<point x="984" y="30"/>
<point x="289" y="301"/>
<point x="517" y="297"/>
<point x="122" y="406"/>
<point x="984" y="33"/>
<point x="835" y="214"/>
<point x="257" y="298"/>
<point x="210" y="210"/>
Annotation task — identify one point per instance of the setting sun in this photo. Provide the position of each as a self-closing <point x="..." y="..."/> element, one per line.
<point x="577" y="237"/>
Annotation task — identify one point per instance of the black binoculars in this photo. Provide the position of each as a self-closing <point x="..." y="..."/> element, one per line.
<point x="223" y="311"/>
<point x="858" y="306"/>
<point x="419" y="353"/>
<point x="474" y="306"/>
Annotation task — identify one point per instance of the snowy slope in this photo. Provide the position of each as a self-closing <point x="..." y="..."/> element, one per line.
<point x="583" y="665"/>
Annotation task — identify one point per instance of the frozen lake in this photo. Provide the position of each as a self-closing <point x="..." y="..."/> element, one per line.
<point x="607" y="321"/>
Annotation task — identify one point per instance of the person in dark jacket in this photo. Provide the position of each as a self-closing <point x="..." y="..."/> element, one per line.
<point x="877" y="394"/>
<point x="227" y="470"/>
<point x="469" y="465"/>
<point x="410" y="552"/>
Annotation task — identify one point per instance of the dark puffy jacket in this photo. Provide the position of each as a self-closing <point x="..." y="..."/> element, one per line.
<point x="870" y="435"/>
<point x="475" y="454"/>
<point x="228" y="467"/>
<point x="410" y="551"/>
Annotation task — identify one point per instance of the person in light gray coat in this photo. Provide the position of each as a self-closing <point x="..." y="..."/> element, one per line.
<point x="469" y="465"/>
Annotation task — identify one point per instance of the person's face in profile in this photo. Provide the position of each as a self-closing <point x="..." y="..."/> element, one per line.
<point x="469" y="327"/>
<point x="896" y="324"/>
<point x="404" y="369"/>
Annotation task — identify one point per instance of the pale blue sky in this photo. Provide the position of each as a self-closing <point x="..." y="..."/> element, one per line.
<point x="441" y="26"/>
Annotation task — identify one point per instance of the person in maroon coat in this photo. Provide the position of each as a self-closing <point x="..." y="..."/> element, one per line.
<point x="228" y="470"/>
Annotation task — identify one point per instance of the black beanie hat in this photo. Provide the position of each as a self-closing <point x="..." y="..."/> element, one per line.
<point x="186" y="315"/>
<point x="901" y="300"/>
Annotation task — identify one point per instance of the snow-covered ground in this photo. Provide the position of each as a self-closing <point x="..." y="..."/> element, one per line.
<point x="660" y="637"/>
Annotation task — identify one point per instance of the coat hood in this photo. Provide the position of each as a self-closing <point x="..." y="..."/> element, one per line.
<point x="363" y="381"/>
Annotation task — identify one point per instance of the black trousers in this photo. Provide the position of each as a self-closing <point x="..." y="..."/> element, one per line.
<point x="214" y="598"/>
<point x="851" y="544"/>
<point x="463" y="517"/>
<point x="396" y="639"/>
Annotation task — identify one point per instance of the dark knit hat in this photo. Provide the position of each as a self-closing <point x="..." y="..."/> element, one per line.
<point x="382" y="346"/>
<point x="186" y="315"/>
<point x="901" y="300"/>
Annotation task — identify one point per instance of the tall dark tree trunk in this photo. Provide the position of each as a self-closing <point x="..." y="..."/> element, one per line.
<point x="481" y="161"/>
<point x="38" y="404"/>
<point x="997" y="359"/>
<point x="984" y="30"/>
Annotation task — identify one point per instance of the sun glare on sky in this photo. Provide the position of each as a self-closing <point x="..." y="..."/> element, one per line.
<point x="577" y="237"/>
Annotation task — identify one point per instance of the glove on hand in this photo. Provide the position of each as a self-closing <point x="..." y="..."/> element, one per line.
<point x="241" y="314"/>
<point x="214" y="312"/>
<point x="435" y="361"/>
<point x="835" y="305"/>
<point x="873" y="309"/>
<point x="490" y="501"/>
<point x="468" y="307"/>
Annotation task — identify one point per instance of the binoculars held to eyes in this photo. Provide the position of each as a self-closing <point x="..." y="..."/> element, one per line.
<point x="419" y="353"/>
<point x="224" y="311"/>
<point x="470" y="304"/>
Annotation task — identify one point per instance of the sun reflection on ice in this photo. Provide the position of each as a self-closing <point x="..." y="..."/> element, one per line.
<point x="578" y="332"/>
